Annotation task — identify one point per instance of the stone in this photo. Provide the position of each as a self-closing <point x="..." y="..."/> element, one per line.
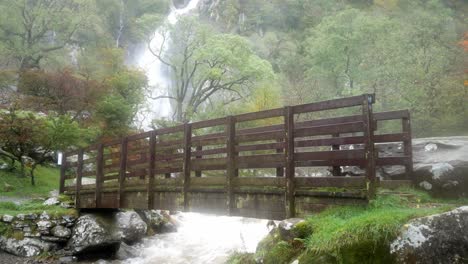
<point x="60" y="231"/>
<point x="44" y="216"/>
<point x="20" y="217"/>
<point x="441" y="238"/>
<point x="67" y="259"/>
<point x="66" y="205"/>
<point x="8" y="218"/>
<point x="52" y="201"/>
<point x="28" y="247"/>
<point x="69" y="218"/>
<point x="131" y="226"/>
<point x="286" y="227"/>
<point x="54" y="239"/>
<point x="30" y="216"/>
<point x="425" y="185"/>
<point x="125" y="252"/>
<point x="44" y="226"/>
<point x="94" y="234"/>
<point x="159" y="220"/>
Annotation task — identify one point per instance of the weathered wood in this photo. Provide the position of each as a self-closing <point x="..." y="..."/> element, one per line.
<point x="370" y="154"/>
<point x="63" y="170"/>
<point x="401" y="160"/>
<point x="329" y="141"/>
<point x="277" y="112"/>
<point x="329" y="129"/>
<point x="397" y="137"/>
<point x="99" y="174"/>
<point x="330" y="155"/>
<point x="330" y="104"/>
<point x="289" y="155"/>
<point x="231" y="165"/>
<point x="260" y="161"/>
<point x="390" y="115"/>
<point x="270" y="135"/>
<point x="339" y="182"/>
<point x="186" y="165"/>
<point x="209" y="164"/>
<point x="199" y="156"/>
<point x="79" y="175"/>
<point x="333" y="162"/>
<point x="199" y="153"/>
<point x="152" y="171"/>
<point x="264" y="146"/>
<point x="407" y="146"/>
<point x="280" y="170"/>
<point x="336" y="170"/>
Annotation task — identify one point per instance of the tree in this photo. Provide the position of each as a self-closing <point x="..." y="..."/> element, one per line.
<point x="203" y="63"/>
<point x="33" y="30"/>
<point x="31" y="139"/>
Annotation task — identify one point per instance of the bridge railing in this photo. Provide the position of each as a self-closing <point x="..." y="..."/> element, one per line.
<point x="223" y="155"/>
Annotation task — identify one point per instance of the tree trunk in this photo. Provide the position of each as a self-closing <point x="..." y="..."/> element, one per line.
<point x="33" y="180"/>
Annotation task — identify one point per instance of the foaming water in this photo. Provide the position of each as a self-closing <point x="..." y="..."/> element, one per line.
<point x="202" y="239"/>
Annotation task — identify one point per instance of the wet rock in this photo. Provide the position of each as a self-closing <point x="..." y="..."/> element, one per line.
<point x="61" y="232"/>
<point x="28" y="247"/>
<point x="67" y="259"/>
<point x="131" y="226"/>
<point x="8" y="218"/>
<point x="125" y="252"/>
<point x="44" y="227"/>
<point x="52" y="201"/>
<point x="286" y="228"/>
<point x="441" y="238"/>
<point x="94" y="234"/>
<point x="44" y="216"/>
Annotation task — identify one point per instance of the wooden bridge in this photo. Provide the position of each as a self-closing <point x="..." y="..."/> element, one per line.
<point x="271" y="164"/>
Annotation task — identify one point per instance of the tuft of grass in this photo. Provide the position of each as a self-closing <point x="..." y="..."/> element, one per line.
<point x="34" y="206"/>
<point x="363" y="233"/>
<point x="241" y="258"/>
<point x="47" y="179"/>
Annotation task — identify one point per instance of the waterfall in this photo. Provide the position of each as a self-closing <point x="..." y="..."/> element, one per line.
<point x="157" y="73"/>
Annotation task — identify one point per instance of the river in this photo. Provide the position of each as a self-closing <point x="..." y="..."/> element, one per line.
<point x="200" y="239"/>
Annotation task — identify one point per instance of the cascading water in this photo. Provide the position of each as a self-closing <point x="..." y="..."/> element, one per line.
<point x="201" y="239"/>
<point x="156" y="72"/>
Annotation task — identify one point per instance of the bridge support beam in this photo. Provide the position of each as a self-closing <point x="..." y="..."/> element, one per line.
<point x="186" y="164"/>
<point x="290" y="207"/>
<point x="231" y="166"/>
<point x="370" y="153"/>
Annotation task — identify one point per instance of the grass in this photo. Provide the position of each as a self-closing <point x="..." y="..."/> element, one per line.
<point x="47" y="179"/>
<point x="352" y="234"/>
<point x="33" y="206"/>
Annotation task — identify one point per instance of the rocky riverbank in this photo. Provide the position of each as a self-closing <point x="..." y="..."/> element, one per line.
<point x="79" y="235"/>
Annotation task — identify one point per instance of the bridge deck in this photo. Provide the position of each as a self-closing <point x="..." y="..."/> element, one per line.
<point x="214" y="165"/>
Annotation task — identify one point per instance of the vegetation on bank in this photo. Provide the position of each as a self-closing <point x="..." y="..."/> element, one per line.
<point x="349" y="234"/>
<point x="13" y="184"/>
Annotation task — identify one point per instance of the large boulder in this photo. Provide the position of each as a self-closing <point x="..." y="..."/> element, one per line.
<point x="440" y="165"/>
<point x="132" y="228"/>
<point x="159" y="221"/>
<point x="94" y="234"/>
<point x="28" y="247"/>
<point x="441" y="238"/>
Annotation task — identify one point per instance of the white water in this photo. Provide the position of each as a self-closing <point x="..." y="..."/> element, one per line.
<point x="202" y="239"/>
<point x="157" y="73"/>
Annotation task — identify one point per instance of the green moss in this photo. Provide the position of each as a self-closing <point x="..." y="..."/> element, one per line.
<point x="6" y="230"/>
<point x="36" y="207"/>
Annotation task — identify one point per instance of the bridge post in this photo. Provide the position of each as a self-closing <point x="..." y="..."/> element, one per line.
<point x="336" y="170"/>
<point x="79" y="175"/>
<point x="186" y="164"/>
<point x="290" y="209"/>
<point x="152" y="169"/>
<point x="99" y="174"/>
<point x="198" y="173"/>
<point x="407" y="146"/>
<point x="63" y="169"/>
<point x="370" y="154"/>
<point x="280" y="170"/>
<point x="231" y="166"/>
<point x="122" y="171"/>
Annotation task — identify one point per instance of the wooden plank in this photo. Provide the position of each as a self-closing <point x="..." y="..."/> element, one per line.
<point x="390" y="115"/>
<point x="290" y="166"/>
<point x="259" y="181"/>
<point x="260" y="161"/>
<point x="280" y="170"/>
<point x="209" y="123"/>
<point x="330" y="104"/>
<point x="63" y="169"/>
<point x="259" y="115"/>
<point x="207" y="181"/>
<point x="186" y="165"/>
<point x="205" y="141"/>
<point x="265" y="146"/>
<point x="270" y="135"/>
<point x="139" y="136"/>
<point x="169" y="157"/>
<point x="329" y="141"/>
<point x="336" y="162"/>
<point x="79" y="175"/>
<point x="169" y="130"/>
<point x="199" y="153"/>
<point x="336" y="170"/>
<point x="122" y="171"/>
<point x="397" y="137"/>
<point x="209" y="164"/>
<point x="231" y="162"/>
<point x="152" y="171"/>
<point x="329" y="129"/>
<point x="369" y="147"/>
<point x="340" y="182"/>
<point x="329" y="121"/>
<point x="386" y="161"/>
<point x="99" y="175"/>
<point x="330" y="155"/>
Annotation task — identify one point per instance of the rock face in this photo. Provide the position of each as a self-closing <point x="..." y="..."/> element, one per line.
<point x="441" y="238"/>
<point x="94" y="234"/>
<point x="28" y="247"/>
<point x="131" y="226"/>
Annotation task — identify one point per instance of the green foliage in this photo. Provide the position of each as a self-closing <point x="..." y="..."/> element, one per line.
<point x="241" y="258"/>
<point x="36" y="207"/>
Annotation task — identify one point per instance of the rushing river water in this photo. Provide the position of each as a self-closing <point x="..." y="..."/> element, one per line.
<point x="201" y="239"/>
